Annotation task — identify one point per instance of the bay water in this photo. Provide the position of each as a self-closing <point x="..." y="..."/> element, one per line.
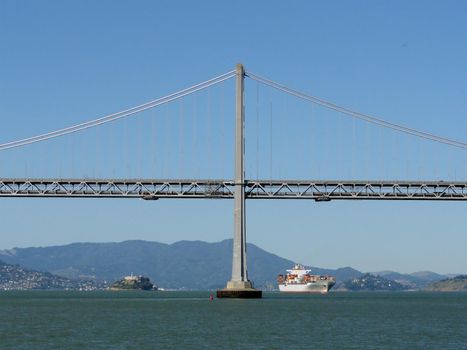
<point x="190" y="320"/>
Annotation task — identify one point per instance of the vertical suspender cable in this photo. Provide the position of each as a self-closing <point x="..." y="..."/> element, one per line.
<point x="141" y="157"/>
<point x="283" y="126"/>
<point x="59" y="150"/>
<point x="153" y="147"/>
<point x="181" y="155"/>
<point x="435" y="160"/>
<point x="451" y="166"/>
<point x="418" y="168"/>
<point x="195" y="138"/>
<point x="222" y="132"/>
<point x="257" y="130"/>
<point x="407" y="162"/>
<point x="311" y="140"/>
<point x="382" y="151"/>
<point x="354" y="147"/>
<point x="168" y="145"/>
<point x="365" y="147"/>
<point x="270" y="140"/>
<point x="209" y="138"/>
<point x="340" y="153"/>
<point x="97" y="152"/>
<point x="126" y="167"/>
<point x="77" y="156"/>
<point x="92" y="153"/>
<point x="112" y="150"/>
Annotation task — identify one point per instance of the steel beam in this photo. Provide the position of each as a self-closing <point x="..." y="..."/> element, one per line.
<point x="319" y="190"/>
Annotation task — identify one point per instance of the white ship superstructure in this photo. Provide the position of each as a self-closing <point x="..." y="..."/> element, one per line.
<point x="299" y="280"/>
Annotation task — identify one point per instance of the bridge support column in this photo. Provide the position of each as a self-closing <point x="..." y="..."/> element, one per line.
<point x="239" y="286"/>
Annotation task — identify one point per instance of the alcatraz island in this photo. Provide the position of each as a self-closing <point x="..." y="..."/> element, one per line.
<point x="133" y="283"/>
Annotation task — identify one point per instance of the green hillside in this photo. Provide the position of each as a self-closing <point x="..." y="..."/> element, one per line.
<point x="456" y="284"/>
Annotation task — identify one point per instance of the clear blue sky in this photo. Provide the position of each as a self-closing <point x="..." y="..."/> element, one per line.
<point x="62" y="63"/>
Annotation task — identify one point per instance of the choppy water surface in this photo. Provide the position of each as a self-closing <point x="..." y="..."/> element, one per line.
<point x="176" y="320"/>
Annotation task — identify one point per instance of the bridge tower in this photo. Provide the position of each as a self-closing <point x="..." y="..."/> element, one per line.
<point x="239" y="286"/>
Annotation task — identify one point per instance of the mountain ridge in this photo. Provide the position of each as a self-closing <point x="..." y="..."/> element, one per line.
<point x="179" y="265"/>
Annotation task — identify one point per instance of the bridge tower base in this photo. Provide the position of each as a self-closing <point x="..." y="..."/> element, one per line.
<point x="240" y="289"/>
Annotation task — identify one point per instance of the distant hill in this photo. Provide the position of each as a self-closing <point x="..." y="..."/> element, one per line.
<point x="455" y="284"/>
<point x="370" y="282"/>
<point x="184" y="264"/>
<point x="416" y="280"/>
<point x="15" y="277"/>
<point x="342" y="274"/>
<point x="428" y="275"/>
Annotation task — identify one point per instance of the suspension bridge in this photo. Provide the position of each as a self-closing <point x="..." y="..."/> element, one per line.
<point x="242" y="186"/>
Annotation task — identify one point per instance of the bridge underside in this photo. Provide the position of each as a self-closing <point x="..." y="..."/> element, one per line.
<point x="151" y="189"/>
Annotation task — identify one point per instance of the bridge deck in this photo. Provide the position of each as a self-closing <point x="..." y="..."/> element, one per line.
<point x="319" y="190"/>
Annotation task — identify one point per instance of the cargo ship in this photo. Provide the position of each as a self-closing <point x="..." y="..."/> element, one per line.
<point x="299" y="280"/>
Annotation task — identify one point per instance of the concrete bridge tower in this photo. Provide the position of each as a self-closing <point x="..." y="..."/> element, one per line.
<point x="239" y="286"/>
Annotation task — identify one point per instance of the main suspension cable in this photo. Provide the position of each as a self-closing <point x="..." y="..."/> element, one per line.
<point x="358" y="115"/>
<point x="118" y="115"/>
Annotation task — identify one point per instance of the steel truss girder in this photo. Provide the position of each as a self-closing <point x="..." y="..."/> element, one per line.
<point x="319" y="190"/>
